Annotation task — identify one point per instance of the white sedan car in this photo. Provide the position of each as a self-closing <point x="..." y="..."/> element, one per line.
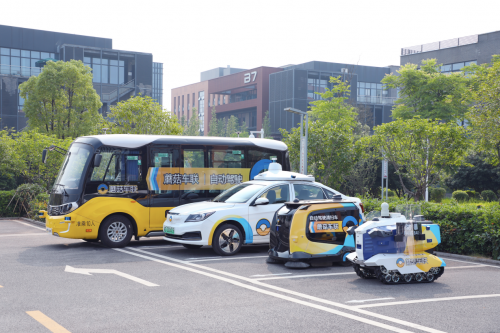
<point x="243" y="213"/>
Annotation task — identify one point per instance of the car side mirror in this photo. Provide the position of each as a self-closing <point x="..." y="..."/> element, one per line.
<point x="97" y="160"/>
<point x="44" y="156"/>
<point x="261" y="201"/>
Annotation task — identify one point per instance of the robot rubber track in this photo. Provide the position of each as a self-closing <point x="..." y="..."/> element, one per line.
<point x="397" y="278"/>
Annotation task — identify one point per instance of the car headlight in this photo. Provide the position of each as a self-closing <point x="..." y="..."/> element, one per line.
<point x="198" y="217"/>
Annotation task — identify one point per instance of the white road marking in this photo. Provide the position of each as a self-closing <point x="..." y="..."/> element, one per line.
<point x="30" y="225"/>
<point x="472" y="266"/>
<point x="472" y="263"/>
<point x="263" y="275"/>
<point x="218" y="257"/>
<point x="87" y="271"/>
<point x="304" y="276"/>
<point x="225" y="258"/>
<point x="426" y="300"/>
<point x="38" y="234"/>
<point x="291" y="292"/>
<point x="156" y="247"/>
<point x="370" y="300"/>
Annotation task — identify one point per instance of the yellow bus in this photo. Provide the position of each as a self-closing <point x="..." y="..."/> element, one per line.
<point x="113" y="187"/>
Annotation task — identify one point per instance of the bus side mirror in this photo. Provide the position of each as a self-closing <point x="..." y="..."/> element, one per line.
<point x="97" y="160"/>
<point x="44" y="156"/>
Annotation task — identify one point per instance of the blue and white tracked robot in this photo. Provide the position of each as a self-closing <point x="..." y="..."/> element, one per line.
<point x="396" y="250"/>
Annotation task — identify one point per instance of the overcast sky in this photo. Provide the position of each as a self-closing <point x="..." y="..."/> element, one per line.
<point x="192" y="36"/>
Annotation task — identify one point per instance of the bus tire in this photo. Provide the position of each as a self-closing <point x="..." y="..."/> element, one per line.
<point x="116" y="231"/>
<point x="228" y="240"/>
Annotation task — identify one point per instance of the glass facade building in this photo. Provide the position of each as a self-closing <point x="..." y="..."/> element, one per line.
<point x="299" y="85"/>
<point x="117" y="75"/>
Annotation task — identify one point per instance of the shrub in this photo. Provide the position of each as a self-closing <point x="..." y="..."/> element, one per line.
<point x="437" y="194"/>
<point x="28" y="199"/>
<point x="472" y="194"/>
<point x="7" y="210"/>
<point x="488" y="195"/>
<point x="391" y="193"/>
<point x="460" y="196"/>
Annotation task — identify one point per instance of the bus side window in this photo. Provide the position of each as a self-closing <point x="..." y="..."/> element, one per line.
<point x="194" y="159"/>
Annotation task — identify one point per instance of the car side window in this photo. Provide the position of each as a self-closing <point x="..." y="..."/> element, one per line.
<point x="329" y="194"/>
<point x="277" y="194"/>
<point x="308" y="192"/>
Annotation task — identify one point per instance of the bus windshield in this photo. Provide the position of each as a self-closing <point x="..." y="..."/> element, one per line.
<point x="69" y="181"/>
<point x="239" y="194"/>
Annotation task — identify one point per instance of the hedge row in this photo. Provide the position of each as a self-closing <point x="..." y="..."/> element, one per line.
<point x="465" y="228"/>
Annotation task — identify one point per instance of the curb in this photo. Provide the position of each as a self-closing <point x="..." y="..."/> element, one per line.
<point x="38" y="223"/>
<point x="467" y="258"/>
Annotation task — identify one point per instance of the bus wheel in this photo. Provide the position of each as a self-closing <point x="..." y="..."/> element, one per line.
<point x="116" y="231"/>
<point x="228" y="240"/>
<point x="191" y="246"/>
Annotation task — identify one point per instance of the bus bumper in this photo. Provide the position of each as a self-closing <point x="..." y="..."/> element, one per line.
<point x="71" y="225"/>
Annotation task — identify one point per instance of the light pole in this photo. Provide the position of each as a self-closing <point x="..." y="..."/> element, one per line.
<point x="303" y="138"/>
<point x="261" y="132"/>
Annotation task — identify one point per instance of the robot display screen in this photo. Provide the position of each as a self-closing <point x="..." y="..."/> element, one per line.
<point x="330" y="225"/>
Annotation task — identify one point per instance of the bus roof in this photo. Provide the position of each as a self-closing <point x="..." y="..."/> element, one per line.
<point x="139" y="140"/>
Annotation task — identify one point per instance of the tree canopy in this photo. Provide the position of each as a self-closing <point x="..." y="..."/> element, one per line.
<point x="484" y="113"/>
<point x="418" y="149"/>
<point x="428" y="93"/>
<point x="142" y="115"/>
<point x="62" y="100"/>
<point x="193" y="127"/>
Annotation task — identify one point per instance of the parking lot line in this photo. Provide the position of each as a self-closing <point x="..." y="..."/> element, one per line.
<point x="14" y="235"/>
<point x="156" y="247"/>
<point x="304" y="276"/>
<point x="474" y="266"/>
<point x="425" y="300"/>
<point x="50" y="324"/>
<point x="30" y="225"/>
<point x="370" y="300"/>
<point x="224" y="258"/>
<point x="263" y="275"/>
<point x="291" y="292"/>
<point x="472" y="263"/>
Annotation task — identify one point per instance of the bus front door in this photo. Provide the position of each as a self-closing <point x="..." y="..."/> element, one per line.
<point x="164" y="183"/>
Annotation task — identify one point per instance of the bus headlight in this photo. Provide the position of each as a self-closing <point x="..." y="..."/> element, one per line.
<point x="198" y="217"/>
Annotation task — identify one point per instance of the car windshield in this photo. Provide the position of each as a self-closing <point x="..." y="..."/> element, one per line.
<point x="239" y="193"/>
<point x="72" y="169"/>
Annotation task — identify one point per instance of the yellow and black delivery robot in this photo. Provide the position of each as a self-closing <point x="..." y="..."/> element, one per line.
<point x="313" y="232"/>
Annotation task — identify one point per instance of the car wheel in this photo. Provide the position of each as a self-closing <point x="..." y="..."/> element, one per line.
<point x="191" y="246"/>
<point x="228" y="240"/>
<point x="116" y="231"/>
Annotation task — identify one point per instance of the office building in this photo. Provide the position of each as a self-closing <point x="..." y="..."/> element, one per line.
<point x="117" y="74"/>
<point x="248" y="94"/>
<point x="455" y="53"/>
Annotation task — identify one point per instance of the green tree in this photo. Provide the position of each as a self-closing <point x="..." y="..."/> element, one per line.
<point x="221" y="127"/>
<point x="244" y="130"/>
<point x="193" y="128"/>
<point x="484" y="114"/>
<point x="419" y="149"/>
<point x="10" y="163"/>
<point x="428" y="93"/>
<point x="333" y="104"/>
<point x="142" y="115"/>
<point x="212" y="126"/>
<point x="232" y="127"/>
<point x="62" y="100"/>
<point x="29" y="146"/>
<point x="266" y="125"/>
<point x="477" y="174"/>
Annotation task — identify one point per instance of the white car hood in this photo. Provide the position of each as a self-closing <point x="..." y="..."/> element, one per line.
<point x="201" y="207"/>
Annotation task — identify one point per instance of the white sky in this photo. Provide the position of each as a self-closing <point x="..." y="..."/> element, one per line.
<point x="192" y="36"/>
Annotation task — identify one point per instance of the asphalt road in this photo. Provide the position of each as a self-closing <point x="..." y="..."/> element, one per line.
<point x="60" y="285"/>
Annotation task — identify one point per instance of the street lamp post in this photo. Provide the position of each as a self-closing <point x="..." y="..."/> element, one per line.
<point x="303" y="138"/>
<point x="252" y="134"/>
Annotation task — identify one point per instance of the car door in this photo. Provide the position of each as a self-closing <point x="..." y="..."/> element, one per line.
<point x="260" y="217"/>
<point x="164" y="183"/>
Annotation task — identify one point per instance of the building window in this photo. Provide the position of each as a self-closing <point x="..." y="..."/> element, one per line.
<point x="201" y="109"/>
<point x="21" y="62"/>
<point x="317" y="83"/>
<point x="456" y="67"/>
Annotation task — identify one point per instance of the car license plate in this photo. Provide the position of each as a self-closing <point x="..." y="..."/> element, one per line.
<point x="169" y="230"/>
<point x="49" y="230"/>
